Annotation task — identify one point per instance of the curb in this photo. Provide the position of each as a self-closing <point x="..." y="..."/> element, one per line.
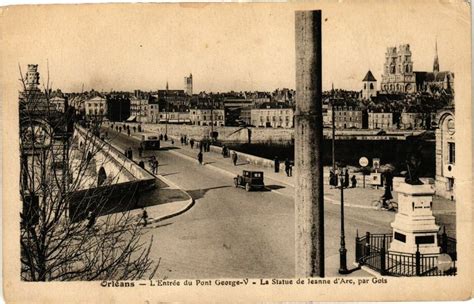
<point x="189" y="202"/>
<point x="189" y="205"/>
<point x="224" y="171"/>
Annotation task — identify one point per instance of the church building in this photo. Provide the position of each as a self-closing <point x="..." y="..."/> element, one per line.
<point x="399" y="77"/>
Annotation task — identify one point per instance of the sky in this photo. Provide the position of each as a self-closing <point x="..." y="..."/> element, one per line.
<point x="240" y="47"/>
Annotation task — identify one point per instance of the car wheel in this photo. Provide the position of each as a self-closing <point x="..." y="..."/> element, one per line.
<point x="247" y="187"/>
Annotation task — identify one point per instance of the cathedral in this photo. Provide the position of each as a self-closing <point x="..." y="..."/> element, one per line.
<point x="399" y="77"/>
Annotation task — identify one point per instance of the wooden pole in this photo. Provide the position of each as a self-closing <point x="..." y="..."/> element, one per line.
<point x="308" y="146"/>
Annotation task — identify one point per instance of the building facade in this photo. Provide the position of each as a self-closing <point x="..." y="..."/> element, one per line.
<point x="59" y="103"/>
<point x="411" y="121"/>
<point x="380" y="120"/>
<point x="175" y="117"/>
<point x="272" y="116"/>
<point x="96" y="108"/>
<point x="398" y="73"/>
<point x="445" y="155"/>
<point x="346" y="117"/>
<point x="207" y="117"/>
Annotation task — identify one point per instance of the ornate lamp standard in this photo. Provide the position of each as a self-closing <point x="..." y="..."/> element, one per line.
<point x="342" y="251"/>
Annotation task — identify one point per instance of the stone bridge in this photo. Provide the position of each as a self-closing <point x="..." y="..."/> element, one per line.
<point x="117" y="182"/>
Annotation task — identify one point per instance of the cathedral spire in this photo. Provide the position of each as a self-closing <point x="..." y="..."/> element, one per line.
<point x="436" y="60"/>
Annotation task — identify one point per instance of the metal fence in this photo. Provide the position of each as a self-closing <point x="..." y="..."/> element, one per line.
<point x="372" y="251"/>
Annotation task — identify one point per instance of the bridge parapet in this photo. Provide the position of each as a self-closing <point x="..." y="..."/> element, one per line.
<point x="111" y="159"/>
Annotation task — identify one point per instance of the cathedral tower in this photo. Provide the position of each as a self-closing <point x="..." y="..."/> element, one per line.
<point x="398" y="74"/>
<point x="436" y="61"/>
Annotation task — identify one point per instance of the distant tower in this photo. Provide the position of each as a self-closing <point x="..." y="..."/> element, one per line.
<point x="370" y="86"/>
<point x="436" y="61"/>
<point x="32" y="77"/>
<point x="167" y="87"/>
<point x="188" y="84"/>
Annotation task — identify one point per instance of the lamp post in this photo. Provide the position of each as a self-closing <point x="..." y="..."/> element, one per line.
<point x="342" y="250"/>
<point x="333" y="125"/>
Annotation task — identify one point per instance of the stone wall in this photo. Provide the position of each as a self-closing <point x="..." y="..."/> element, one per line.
<point x="229" y="134"/>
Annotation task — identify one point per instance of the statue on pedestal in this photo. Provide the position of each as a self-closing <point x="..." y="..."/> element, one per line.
<point x="413" y="163"/>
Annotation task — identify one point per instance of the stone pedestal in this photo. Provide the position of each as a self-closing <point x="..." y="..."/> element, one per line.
<point x="414" y="223"/>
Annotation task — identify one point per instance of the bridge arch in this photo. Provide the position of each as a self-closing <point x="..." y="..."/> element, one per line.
<point x="101" y="176"/>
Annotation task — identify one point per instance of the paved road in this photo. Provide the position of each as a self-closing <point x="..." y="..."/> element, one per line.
<point x="232" y="233"/>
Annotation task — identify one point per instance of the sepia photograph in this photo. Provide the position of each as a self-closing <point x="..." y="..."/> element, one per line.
<point x="166" y="149"/>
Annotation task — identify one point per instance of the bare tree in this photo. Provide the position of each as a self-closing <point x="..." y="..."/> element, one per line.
<point x="75" y="223"/>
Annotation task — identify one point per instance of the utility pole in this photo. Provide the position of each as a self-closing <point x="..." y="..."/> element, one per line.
<point x="333" y="118"/>
<point x="309" y="199"/>
<point x="342" y="250"/>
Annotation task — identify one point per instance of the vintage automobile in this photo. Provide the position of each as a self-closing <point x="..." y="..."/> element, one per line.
<point x="250" y="180"/>
<point x="150" y="142"/>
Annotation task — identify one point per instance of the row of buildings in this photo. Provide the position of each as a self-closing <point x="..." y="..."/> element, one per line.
<point x="406" y="100"/>
<point x="348" y="113"/>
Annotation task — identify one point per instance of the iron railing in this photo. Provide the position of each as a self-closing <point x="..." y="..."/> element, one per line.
<point x="372" y="251"/>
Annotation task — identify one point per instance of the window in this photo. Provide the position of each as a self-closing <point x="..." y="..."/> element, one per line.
<point x="450" y="185"/>
<point x="451" y="153"/>
<point x="371" y="86"/>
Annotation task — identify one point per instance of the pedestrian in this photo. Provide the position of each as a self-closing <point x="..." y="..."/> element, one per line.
<point x="287" y="167"/>
<point x="354" y="181"/>
<point x="161" y="136"/>
<point x="332" y="178"/>
<point x="134" y="129"/>
<point x="277" y="164"/>
<point x="291" y="168"/>
<point x="141" y="164"/>
<point x="182" y="140"/>
<point x="346" y="179"/>
<point x="145" y="217"/>
<point x="130" y="153"/>
<point x="192" y="143"/>
<point x="234" y="158"/>
<point x="128" y="131"/>
<point x="90" y="220"/>
<point x="156" y="165"/>
<point x="223" y="151"/>
<point x="140" y="150"/>
<point x="172" y="141"/>
<point x="200" y="157"/>
<point x="151" y="163"/>
<point x="139" y="128"/>
<point x="120" y="129"/>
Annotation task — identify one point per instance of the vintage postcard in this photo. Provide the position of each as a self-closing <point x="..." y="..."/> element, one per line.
<point x="238" y="152"/>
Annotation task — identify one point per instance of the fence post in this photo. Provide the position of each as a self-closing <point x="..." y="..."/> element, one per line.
<point x="367" y="244"/>
<point x="382" y="258"/>
<point x="444" y="241"/>
<point x="357" y="249"/>
<point x="417" y="260"/>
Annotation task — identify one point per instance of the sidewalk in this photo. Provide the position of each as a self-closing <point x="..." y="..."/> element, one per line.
<point x="165" y="201"/>
<point x="277" y="182"/>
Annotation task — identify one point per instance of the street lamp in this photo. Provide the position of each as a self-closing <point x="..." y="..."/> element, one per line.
<point x="342" y="251"/>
